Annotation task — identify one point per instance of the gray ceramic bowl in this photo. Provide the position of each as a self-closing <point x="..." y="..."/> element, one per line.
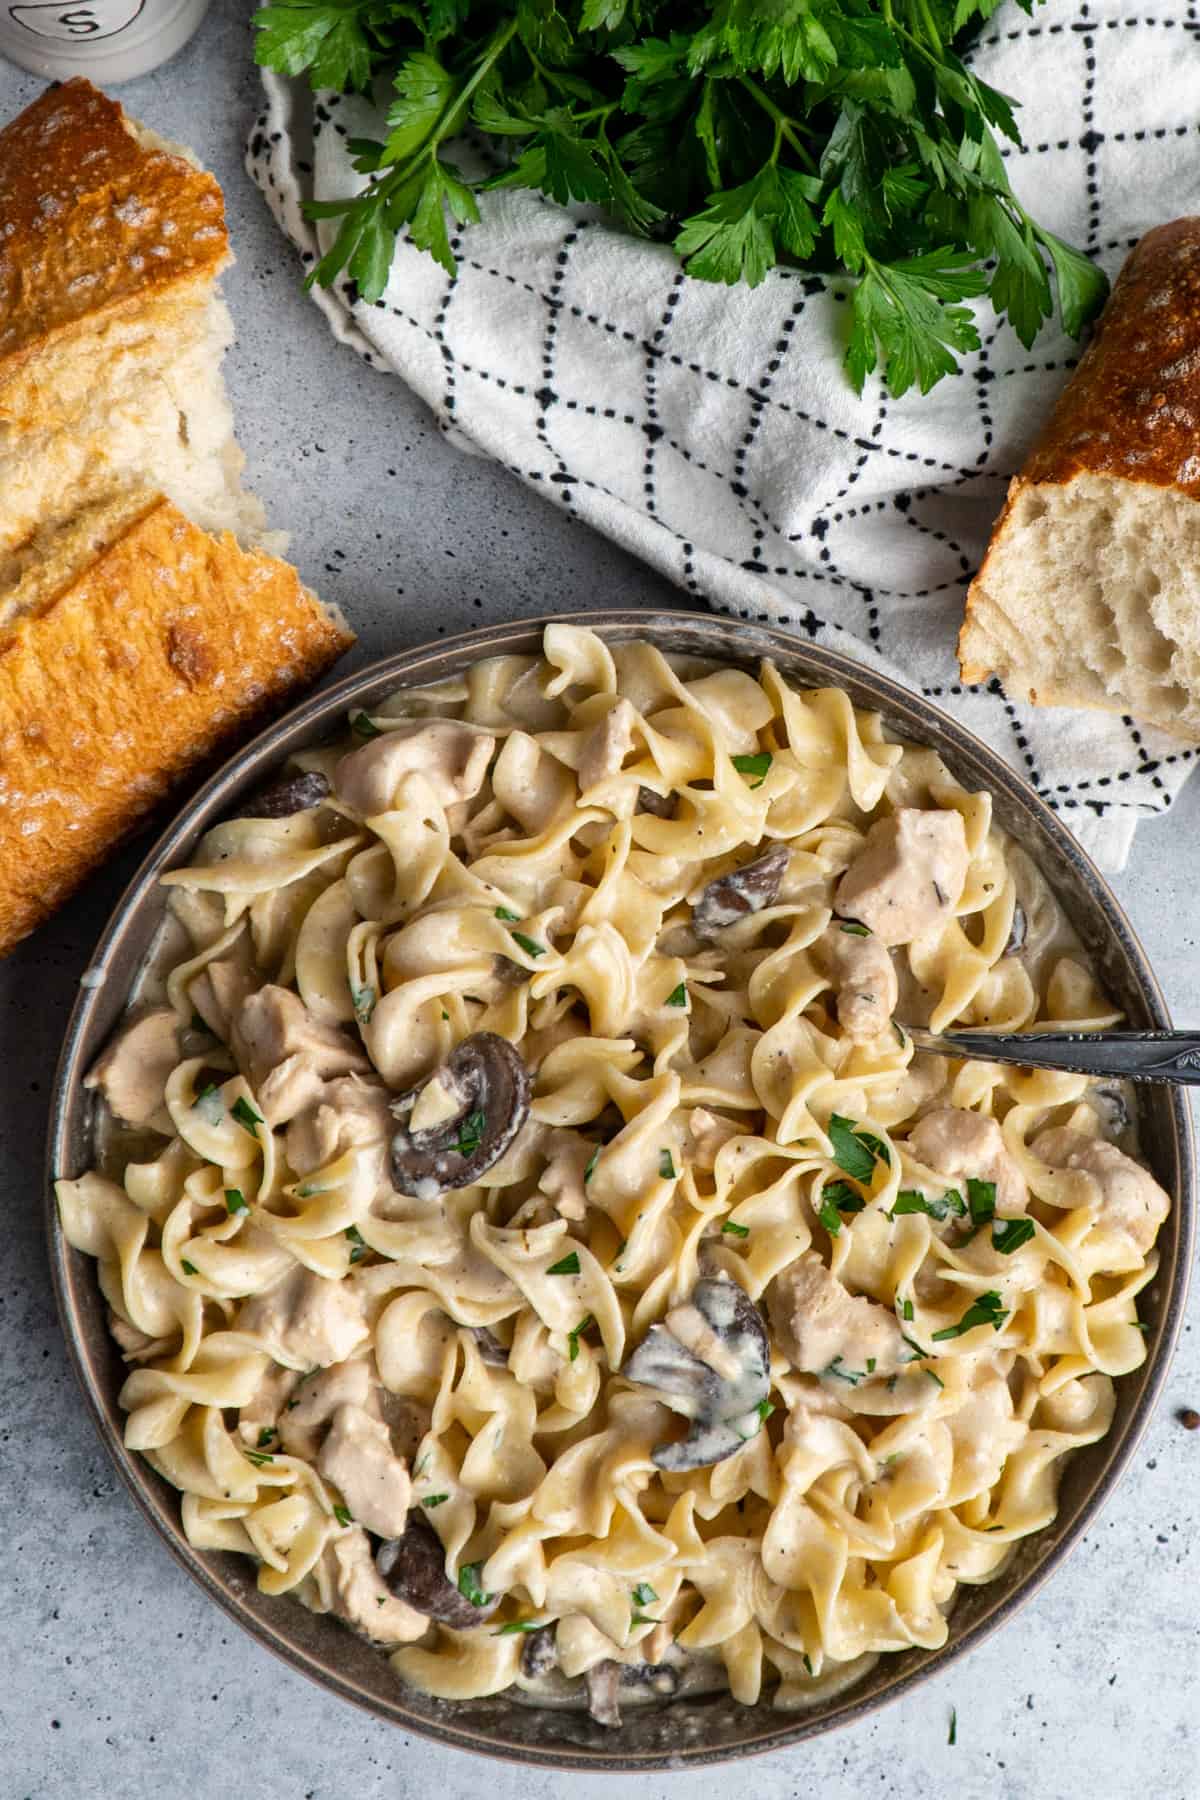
<point x="701" y="1731"/>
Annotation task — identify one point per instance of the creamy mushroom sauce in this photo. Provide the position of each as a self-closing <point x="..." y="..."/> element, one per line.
<point x="533" y="1238"/>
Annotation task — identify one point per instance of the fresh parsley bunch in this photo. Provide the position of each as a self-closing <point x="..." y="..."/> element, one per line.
<point x="829" y="134"/>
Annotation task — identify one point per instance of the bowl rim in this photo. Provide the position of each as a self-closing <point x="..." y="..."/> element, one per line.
<point x="813" y="665"/>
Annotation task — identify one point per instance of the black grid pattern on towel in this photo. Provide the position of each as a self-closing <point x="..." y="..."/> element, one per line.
<point x="713" y="434"/>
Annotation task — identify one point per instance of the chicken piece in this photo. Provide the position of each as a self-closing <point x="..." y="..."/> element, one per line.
<point x="350" y="1115"/>
<point x="958" y="1143"/>
<point x="268" y="1401"/>
<point x="359" y="1594"/>
<point x="357" y="1457"/>
<point x="563" y="1178"/>
<point x="218" y="993"/>
<point x="287" y="1054"/>
<point x="306" y="1320"/>
<point x="453" y="757"/>
<point x="1130" y="1204"/>
<point x="606" y="746"/>
<point x="864" y="979"/>
<point x="820" y="1326"/>
<point x="708" y="1133"/>
<point x="132" y="1072"/>
<point x="318" y="1397"/>
<point x="909" y="876"/>
<point x="133" y="1343"/>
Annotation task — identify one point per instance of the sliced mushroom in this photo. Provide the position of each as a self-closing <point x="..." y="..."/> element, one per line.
<point x="709" y="1360"/>
<point x="490" y="1349"/>
<point x="476" y="1104"/>
<point x="603" y="1682"/>
<point x="742" y="891"/>
<point x="298" y="793"/>
<point x="660" y="1678"/>
<point x="540" y="1652"/>
<point x="414" y="1568"/>
<point x="662" y="806"/>
<point x="1018" y="931"/>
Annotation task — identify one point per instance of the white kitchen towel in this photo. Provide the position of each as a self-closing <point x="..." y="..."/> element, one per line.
<point x="711" y="430"/>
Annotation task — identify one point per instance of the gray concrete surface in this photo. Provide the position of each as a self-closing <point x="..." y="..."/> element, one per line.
<point x="119" y="1681"/>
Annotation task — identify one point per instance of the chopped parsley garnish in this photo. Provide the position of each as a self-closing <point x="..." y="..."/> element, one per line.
<point x="573" y="1337"/>
<point x="981" y="1197"/>
<point x="643" y="1594"/>
<point x="908" y="1200"/>
<point x="187" y="1267"/>
<point x="666" y="1166"/>
<point x="258" y="1457"/>
<point x="935" y="1378"/>
<point x="637" y="1618"/>
<point x="515" y="1625"/>
<point x="988" y="1309"/>
<point x="852" y="928"/>
<point x="918" y="1353"/>
<point x="592" y="1160"/>
<point x="906" y="1310"/>
<point x="754" y="765"/>
<point x="568" y="1266"/>
<point x="510" y="918"/>
<point x="358" y="1248"/>
<point x="853" y="1376"/>
<point x="529" y="945"/>
<point x="470" y="1133"/>
<point x="343" y="1515"/>
<point x="468" y="1584"/>
<point x="838" y="1197"/>
<point x="235" y="1201"/>
<point x="856" y="1151"/>
<point x="432" y="1500"/>
<point x="1009" y="1234"/>
<point x="898" y="1033"/>
<point x="764" y="1409"/>
<point x="678" y="995"/>
<point x="422" y="1465"/>
<point x="247" y="1118"/>
<point x="732" y="1230"/>
<point x="870" y="1365"/>
<point x="445" y="1014"/>
<point x="364" y="999"/>
<point x="953" y="1737"/>
<point x="806" y="1659"/>
<point x="363" y="727"/>
<point x="209" y="1104"/>
<point x="265" y="1436"/>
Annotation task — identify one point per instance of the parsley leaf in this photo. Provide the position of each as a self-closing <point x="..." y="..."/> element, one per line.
<point x="529" y="945"/>
<point x="468" y="1584"/>
<point x="855" y="1150"/>
<point x="981" y="1197"/>
<point x="666" y="1166"/>
<point x="343" y="1515"/>
<point x="470" y="1133"/>
<point x="244" y="1113"/>
<point x="1009" y="1234"/>
<point x="360" y="724"/>
<point x="432" y="1500"/>
<point x="838" y="1197"/>
<point x="590" y="1166"/>
<point x="574" y="1336"/>
<point x="678" y="996"/>
<point x="754" y="765"/>
<point x="988" y="1309"/>
<point x="515" y="1625"/>
<point x="732" y="1230"/>
<point x="568" y="1266"/>
<point x="510" y="918"/>
<point x="908" y="1200"/>
<point x="643" y="1594"/>
<point x="235" y="1202"/>
<point x="845" y="136"/>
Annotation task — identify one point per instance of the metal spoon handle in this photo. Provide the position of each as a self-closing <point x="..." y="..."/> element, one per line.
<point x="1134" y="1055"/>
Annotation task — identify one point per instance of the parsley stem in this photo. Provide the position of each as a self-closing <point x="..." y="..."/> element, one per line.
<point x="783" y="125"/>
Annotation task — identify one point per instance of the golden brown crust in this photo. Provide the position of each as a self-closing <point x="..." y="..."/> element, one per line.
<point x="94" y="222"/>
<point x="1131" y="410"/>
<point x="167" y="646"/>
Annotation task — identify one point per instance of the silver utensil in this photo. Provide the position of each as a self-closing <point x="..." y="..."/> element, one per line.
<point x="1132" y="1055"/>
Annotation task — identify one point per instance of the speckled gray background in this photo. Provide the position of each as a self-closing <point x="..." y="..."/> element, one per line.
<point x="118" y="1680"/>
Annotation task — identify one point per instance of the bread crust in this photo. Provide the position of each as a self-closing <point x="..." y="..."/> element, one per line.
<point x="164" y="648"/>
<point x="1131" y="410"/>
<point x="94" y="222"/>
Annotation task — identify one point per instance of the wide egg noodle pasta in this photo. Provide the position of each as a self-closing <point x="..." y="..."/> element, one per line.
<point x="690" y="1102"/>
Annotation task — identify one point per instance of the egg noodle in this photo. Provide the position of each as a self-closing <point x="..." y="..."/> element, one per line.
<point x="937" y="1262"/>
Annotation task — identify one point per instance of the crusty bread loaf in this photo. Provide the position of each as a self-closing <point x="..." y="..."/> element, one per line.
<point x="136" y="635"/>
<point x="131" y="650"/>
<point x="1090" y="591"/>
<point x="111" y="333"/>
